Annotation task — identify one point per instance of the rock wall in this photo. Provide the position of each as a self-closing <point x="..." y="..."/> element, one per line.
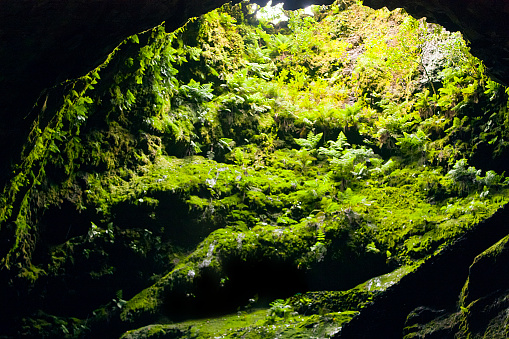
<point x="424" y="304"/>
<point x="46" y="42"/>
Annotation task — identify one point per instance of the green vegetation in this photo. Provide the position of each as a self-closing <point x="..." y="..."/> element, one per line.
<point x="249" y="325"/>
<point x="351" y="141"/>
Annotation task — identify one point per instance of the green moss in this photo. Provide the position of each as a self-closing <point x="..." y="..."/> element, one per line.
<point x="385" y="281"/>
<point x="444" y="326"/>
<point x="148" y="302"/>
<point x="158" y="331"/>
<point x="493" y="251"/>
<point x="32" y="273"/>
<point x="249" y="325"/>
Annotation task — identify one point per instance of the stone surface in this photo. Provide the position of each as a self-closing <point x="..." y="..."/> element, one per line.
<point x="483" y="306"/>
<point x="485" y="296"/>
<point x="424" y="304"/>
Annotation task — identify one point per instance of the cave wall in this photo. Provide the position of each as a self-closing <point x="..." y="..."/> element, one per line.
<point x="45" y="42"/>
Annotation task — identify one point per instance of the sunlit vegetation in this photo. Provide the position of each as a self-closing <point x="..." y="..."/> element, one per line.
<point x="347" y="137"/>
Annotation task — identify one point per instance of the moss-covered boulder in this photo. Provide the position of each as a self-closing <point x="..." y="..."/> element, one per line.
<point x="482" y="310"/>
<point x="484" y="301"/>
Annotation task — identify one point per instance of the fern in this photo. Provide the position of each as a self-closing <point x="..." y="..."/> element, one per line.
<point x="310" y="142"/>
<point x="335" y="147"/>
<point x="321" y="236"/>
<point x="412" y="143"/>
<point x="197" y="92"/>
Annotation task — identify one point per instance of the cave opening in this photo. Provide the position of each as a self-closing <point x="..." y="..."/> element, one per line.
<point x="258" y="154"/>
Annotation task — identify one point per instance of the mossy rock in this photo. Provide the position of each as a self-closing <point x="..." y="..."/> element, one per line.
<point x="484" y="300"/>
<point x="231" y="266"/>
<point x="252" y="324"/>
<point x="158" y="332"/>
<point x="488" y="273"/>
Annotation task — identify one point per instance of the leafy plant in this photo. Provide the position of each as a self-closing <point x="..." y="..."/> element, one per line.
<point x="465" y="177"/>
<point x="335" y="148"/>
<point x="279" y="309"/>
<point x="310" y="142"/>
